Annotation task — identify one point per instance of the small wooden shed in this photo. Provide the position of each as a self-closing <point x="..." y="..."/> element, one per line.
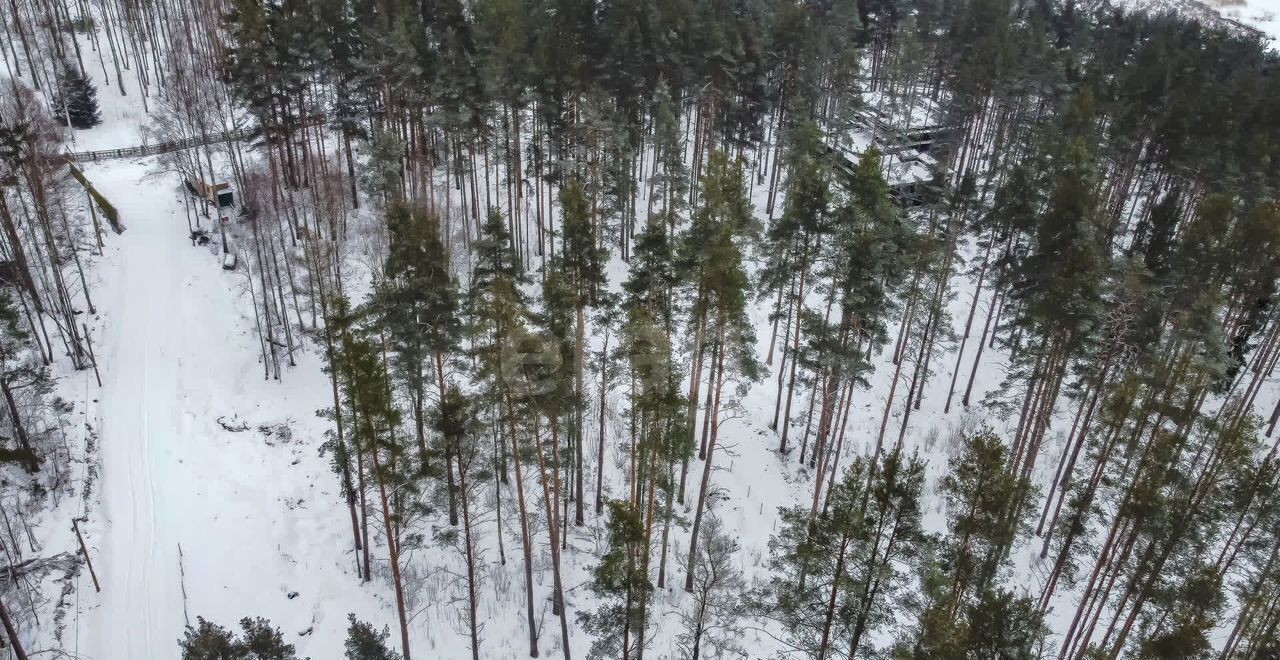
<point x="218" y="194"/>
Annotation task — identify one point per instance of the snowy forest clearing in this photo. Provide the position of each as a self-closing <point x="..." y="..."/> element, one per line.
<point x="485" y="352"/>
<point x="194" y="518"/>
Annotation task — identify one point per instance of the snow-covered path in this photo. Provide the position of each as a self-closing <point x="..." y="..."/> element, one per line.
<point x="252" y="513"/>
<point x="140" y="345"/>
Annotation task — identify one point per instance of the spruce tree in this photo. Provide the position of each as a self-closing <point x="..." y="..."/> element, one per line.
<point x="382" y="176"/>
<point x="76" y="103"/>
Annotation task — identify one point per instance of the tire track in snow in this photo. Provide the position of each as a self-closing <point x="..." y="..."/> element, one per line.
<point x="138" y="615"/>
<point x="178" y="351"/>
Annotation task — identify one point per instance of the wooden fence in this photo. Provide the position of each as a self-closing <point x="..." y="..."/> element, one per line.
<point x="159" y="147"/>
<point x="109" y="210"/>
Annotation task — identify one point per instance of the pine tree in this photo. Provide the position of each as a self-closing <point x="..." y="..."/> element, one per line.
<point x="554" y="397"/>
<point x="1192" y="615"/>
<point x="715" y="244"/>
<point x="893" y="539"/>
<point x="1003" y="625"/>
<point x="1058" y="288"/>
<point x="581" y="264"/>
<point x="841" y="578"/>
<point x="380" y="448"/>
<point x="864" y="262"/>
<point x="366" y="643"/>
<point x="809" y="562"/>
<point x="621" y="583"/>
<point x="457" y="422"/>
<point x="497" y="315"/>
<point x="262" y="642"/>
<point x="967" y="610"/>
<point x="645" y="321"/>
<point x="257" y="641"/>
<point x="346" y="459"/>
<point x="648" y="291"/>
<point x="802" y="228"/>
<point x="279" y="34"/>
<point x="209" y="641"/>
<point x="671" y="184"/>
<point x="417" y="303"/>
<point x="660" y="435"/>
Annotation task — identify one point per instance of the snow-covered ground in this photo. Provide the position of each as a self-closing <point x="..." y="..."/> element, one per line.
<point x="196" y="519"/>
<point x="188" y="518"/>
<point x="1261" y="15"/>
<point x="193" y="518"/>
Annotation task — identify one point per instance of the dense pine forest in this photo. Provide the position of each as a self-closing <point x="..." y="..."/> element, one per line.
<point x="988" y="285"/>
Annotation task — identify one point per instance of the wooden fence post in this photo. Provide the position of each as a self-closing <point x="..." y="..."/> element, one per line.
<point x="92" y="360"/>
<point x="83" y="549"/>
<point x="97" y="226"/>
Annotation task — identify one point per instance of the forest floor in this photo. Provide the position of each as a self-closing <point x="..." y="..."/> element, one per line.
<point x="213" y="499"/>
<point x="215" y="502"/>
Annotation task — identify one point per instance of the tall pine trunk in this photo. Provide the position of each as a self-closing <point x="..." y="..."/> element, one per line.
<point x="714" y="413"/>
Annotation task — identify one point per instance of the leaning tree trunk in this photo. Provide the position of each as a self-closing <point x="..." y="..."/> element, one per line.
<point x="12" y="632"/>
